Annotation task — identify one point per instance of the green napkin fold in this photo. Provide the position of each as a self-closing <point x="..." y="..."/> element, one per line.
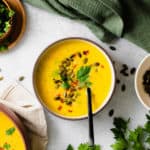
<point x="107" y="19"/>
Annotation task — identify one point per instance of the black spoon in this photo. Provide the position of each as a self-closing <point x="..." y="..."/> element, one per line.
<point x="90" y="118"/>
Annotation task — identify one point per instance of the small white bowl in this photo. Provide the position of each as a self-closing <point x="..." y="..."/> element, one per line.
<point x="142" y="95"/>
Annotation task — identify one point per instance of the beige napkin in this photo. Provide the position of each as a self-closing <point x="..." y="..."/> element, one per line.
<point x="30" y="111"/>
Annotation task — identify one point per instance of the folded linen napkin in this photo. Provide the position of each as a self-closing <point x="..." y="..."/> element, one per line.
<point x="18" y="99"/>
<point x="108" y="19"/>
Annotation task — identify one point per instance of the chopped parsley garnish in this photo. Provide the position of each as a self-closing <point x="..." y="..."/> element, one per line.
<point x="7" y="146"/>
<point x="73" y="76"/>
<point x="5" y="23"/>
<point x="10" y="131"/>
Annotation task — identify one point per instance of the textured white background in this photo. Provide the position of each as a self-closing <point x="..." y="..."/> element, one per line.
<point x="43" y="29"/>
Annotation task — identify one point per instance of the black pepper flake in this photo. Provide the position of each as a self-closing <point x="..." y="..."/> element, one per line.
<point x="21" y="78"/>
<point x="111" y="112"/>
<point x="123" y="87"/>
<point x="133" y="70"/>
<point x="112" y="48"/>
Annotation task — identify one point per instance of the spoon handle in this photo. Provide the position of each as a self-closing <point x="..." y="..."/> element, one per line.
<point x="90" y="118"/>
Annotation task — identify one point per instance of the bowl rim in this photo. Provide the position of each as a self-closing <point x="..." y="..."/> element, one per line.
<point x="24" y="22"/>
<point x="136" y="81"/>
<point x="112" y="69"/>
<point x="15" y="119"/>
<point x="23" y="17"/>
<point x="6" y="34"/>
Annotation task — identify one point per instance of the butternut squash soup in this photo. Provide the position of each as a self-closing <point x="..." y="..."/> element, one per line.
<point x="64" y="71"/>
<point x="10" y="136"/>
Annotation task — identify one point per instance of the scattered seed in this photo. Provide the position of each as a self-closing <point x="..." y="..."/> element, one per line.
<point x="85" y="52"/>
<point x="117" y="81"/>
<point x="124" y="70"/>
<point x="1" y="78"/>
<point x="21" y="78"/>
<point x="57" y="98"/>
<point x="79" y="54"/>
<point x="125" y="74"/>
<point x="102" y="66"/>
<point x="69" y="110"/>
<point x="59" y="108"/>
<point x="57" y="81"/>
<point x="96" y="70"/>
<point x="123" y="87"/>
<point x="133" y="70"/>
<point x="71" y="95"/>
<point x="97" y="64"/>
<point x="85" y="60"/>
<point x="112" y="48"/>
<point x="125" y="66"/>
<point x="72" y="56"/>
<point x="111" y="112"/>
<point x="69" y="102"/>
<point x="27" y="106"/>
<point x="65" y="94"/>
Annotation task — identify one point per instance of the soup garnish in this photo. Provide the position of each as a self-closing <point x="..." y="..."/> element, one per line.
<point x="71" y="79"/>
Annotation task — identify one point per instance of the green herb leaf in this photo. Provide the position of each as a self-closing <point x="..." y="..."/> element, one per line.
<point x="10" y="131"/>
<point x="86" y="146"/>
<point x="121" y="126"/>
<point x="83" y="75"/>
<point x="70" y="147"/>
<point x="120" y="144"/>
<point x="3" y="48"/>
<point x="135" y="138"/>
<point x="11" y="13"/>
<point x="65" y="85"/>
<point x="83" y="71"/>
<point x="6" y="146"/>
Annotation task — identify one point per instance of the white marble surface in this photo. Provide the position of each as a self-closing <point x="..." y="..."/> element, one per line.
<point x="43" y="29"/>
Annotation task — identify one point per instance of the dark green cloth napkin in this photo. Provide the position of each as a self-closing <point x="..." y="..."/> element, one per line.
<point x="108" y="19"/>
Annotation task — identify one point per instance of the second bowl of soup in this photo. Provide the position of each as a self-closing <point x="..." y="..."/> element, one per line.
<point x="63" y="72"/>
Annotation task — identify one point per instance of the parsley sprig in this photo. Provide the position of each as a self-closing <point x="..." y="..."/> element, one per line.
<point x="126" y="139"/>
<point x="10" y="131"/>
<point x="83" y="76"/>
<point x="84" y="146"/>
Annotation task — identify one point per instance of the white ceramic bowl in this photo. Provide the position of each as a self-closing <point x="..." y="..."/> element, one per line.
<point x="142" y="95"/>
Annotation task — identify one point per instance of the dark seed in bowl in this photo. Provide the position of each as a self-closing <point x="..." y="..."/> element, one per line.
<point x="146" y="82"/>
